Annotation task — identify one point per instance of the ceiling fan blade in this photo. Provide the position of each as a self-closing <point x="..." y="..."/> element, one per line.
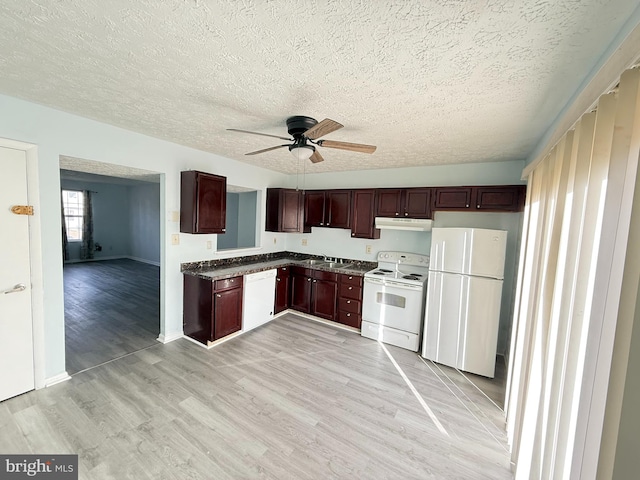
<point x="323" y="128"/>
<point x="353" y="147"/>
<point x="316" y="157"/>
<point x="257" y="133"/>
<point x="266" y="150"/>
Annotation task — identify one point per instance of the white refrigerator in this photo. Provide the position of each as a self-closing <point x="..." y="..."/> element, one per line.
<point x="464" y="292"/>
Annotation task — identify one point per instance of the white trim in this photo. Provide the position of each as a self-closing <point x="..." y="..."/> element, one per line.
<point x="162" y="338"/>
<point x="143" y="260"/>
<point x="114" y="257"/>
<point x="61" y="377"/>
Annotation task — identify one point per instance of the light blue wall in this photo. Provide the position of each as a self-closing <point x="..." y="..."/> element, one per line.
<point x="247" y="209"/>
<point x="230" y="237"/>
<point x="110" y="218"/>
<point x="144" y="223"/>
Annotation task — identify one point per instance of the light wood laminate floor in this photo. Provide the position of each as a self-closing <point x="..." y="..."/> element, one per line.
<point x="294" y="399"/>
<point x="111" y="308"/>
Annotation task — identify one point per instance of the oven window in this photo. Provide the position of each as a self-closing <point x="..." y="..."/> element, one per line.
<point x="390" y="299"/>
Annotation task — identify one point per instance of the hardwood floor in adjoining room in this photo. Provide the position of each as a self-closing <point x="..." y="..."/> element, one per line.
<point x="111" y="308"/>
<point x="294" y="399"/>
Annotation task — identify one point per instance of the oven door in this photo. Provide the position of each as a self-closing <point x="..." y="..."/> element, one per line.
<point x="393" y="304"/>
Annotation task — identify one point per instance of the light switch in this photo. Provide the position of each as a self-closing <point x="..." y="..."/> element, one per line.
<point x="304" y="242"/>
<point x="209" y="245"/>
<point x="175" y="216"/>
<point x="175" y="239"/>
<point x="368" y="249"/>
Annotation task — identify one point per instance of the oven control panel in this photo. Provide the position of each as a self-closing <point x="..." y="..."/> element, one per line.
<point x="404" y="258"/>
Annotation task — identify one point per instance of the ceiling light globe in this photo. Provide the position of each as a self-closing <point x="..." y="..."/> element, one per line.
<point x="302" y="152"/>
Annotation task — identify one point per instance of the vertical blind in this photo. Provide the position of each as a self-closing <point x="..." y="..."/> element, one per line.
<point x="574" y="247"/>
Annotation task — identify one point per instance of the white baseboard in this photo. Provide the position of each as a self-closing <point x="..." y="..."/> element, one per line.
<point x="150" y="262"/>
<point x="61" y="377"/>
<point x="169" y="338"/>
<point x="319" y="320"/>
<point x="115" y="257"/>
<point x="78" y="260"/>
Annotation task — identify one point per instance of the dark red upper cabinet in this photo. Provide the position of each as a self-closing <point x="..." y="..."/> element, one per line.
<point x="404" y="202"/>
<point x="498" y="198"/>
<point x="327" y="208"/>
<point x="314" y="201"/>
<point x="509" y="198"/>
<point x="203" y="202"/>
<point x="284" y="210"/>
<point x="363" y="214"/>
<point x="338" y="208"/>
<point x="417" y="202"/>
<point x="389" y="202"/>
<point x="452" y="198"/>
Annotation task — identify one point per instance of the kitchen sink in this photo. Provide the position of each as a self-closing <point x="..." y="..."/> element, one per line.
<point x="337" y="265"/>
<point x="313" y="261"/>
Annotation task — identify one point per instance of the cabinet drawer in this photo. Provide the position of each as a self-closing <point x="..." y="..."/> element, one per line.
<point x="328" y="276"/>
<point x="350" y="291"/>
<point x="351" y="279"/>
<point x="228" y="283"/>
<point x="349" y="305"/>
<point x="349" y="318"/>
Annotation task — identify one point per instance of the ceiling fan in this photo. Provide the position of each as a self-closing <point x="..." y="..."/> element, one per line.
<point x="306" y="132"/>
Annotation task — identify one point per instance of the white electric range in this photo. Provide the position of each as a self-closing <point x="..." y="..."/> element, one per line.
<point x="393" y="299"/>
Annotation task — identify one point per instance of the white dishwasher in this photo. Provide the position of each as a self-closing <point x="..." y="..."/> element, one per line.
<point x="258" y="299"/>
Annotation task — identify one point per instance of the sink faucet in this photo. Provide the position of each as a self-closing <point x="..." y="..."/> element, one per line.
<point x="328" y="259"/>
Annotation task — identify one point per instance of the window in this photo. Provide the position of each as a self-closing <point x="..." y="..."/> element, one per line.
<point x="73" y="203"/>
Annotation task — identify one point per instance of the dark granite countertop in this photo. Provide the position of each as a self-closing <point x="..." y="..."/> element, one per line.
<point x="233" y="267"/>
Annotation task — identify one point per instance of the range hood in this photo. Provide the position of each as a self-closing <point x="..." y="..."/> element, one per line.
<point x="411" y="224"/>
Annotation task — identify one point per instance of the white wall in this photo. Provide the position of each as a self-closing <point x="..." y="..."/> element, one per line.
<point x="57" y="133"/>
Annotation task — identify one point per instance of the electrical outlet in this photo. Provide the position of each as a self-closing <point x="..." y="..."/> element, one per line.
<point x="209" y="245"/>
<point x="304" y="242"/>
<point x="175" y="239"/>
<point x="367" y="249"/>
<point x="275" y="240"/>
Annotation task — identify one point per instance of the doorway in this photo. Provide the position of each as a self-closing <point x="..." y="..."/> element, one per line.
<point x="111" y="273"/>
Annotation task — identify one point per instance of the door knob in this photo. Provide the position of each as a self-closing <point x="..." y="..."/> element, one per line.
<point x="19" y="287"/>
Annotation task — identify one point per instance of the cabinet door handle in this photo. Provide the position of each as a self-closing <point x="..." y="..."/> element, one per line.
<point x="467" y="205"/>
<point x="277" y="279"/>
<point x="350" y="277"/>
<point x="315" y="281"/>
<point x="397" y="214"/>
<point x="406" y="214"/>
<point x="348" y="314"/>
<point x="350" y="288"/>
<point x="218" y="295"/>
<point x="321" y="223"/>
<point x="477" y="206"/>
<point x="308" y="279"/>
<point x="348" y="301"/>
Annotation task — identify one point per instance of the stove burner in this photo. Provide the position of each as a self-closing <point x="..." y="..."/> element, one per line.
<point x="384" y="270"/>
<point x="379" y="273"/>
<point x="411" y="277"/>
<point x="415" y="274"/>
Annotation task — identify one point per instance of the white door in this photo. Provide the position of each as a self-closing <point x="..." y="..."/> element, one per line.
<point x="16" y="335"/>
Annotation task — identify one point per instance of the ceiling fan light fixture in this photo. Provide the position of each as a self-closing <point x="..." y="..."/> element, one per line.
<point x="302" y="152"/>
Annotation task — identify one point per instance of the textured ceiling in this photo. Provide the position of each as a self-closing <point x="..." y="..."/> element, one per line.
<point x="428" y="82"/>
<point x="73" y="168"/>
